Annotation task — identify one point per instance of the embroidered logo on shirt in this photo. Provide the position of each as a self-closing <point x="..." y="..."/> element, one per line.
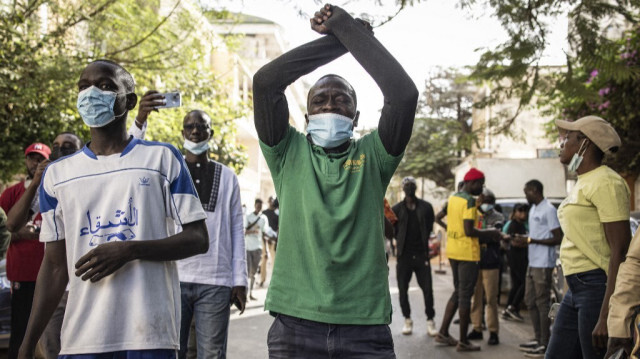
<point x="105" y="232"/>
<point x="144" y="181"/>
<point x="354" y="166"/>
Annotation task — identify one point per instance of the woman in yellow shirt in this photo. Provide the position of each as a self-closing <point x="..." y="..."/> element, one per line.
<point x="595" y="221"/>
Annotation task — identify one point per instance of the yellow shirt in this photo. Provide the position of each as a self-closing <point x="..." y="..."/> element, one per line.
<point x="600" y="196"/>
<point x="461" y="206"/>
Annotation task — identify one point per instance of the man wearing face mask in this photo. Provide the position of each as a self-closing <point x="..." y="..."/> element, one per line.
<point x="65" y="144"/>
<point x="463" y="250"/>
<point x="487" y="286"/>
<point x="595" y="221"/>
<point x="123" y="282"/>
<point x="210" y="282"/>
<point x="331" y="273"/>
<point x="25" y="252"/>
<point x="413" y="229"/>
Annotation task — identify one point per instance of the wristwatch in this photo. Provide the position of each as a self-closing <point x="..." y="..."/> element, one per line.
<point x="34" y="228"/>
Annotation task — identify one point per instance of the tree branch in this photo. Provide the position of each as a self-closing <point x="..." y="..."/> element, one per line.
<point x="144" y="38"/>
<point x="71" y="22"/>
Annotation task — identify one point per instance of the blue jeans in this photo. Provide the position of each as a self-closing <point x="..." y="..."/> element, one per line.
<point x="211" y="306"/>
<point x="295" y="338"/>
<point x="127" y="354"/>
<point x="577" y="317"/>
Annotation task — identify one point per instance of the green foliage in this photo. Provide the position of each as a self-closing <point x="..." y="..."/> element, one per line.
<point x="615" y="98"/>
<point x="515" y="71"/>
<point x="442" y="133"/>
<point x="39" y="66"/>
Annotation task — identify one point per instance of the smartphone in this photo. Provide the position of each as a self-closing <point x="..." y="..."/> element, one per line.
<point x="171" y="99"/>
<point x="553" y="312"/>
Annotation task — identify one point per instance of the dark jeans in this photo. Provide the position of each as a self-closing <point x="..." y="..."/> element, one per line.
<point x="292" y="338"/>
<point x="406" y="266"/>
<point x="538" y="298"/>
<point x="465" y="276"/>
<point x="518" y="262"/>
<point x="577" y="317"/>
<point x="210" y="306"/>
<point x="21" y="301"/>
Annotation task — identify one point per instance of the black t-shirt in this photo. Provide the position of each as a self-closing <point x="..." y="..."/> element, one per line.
<point x="516" y="227"/>
<point x="272" y="217"/>
<point x="413" y="243"/>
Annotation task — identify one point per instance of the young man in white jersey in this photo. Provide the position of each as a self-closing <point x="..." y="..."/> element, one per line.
<point x="107" y="210"/>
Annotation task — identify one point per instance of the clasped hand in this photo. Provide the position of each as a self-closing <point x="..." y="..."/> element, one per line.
<point x="320" y="18"/>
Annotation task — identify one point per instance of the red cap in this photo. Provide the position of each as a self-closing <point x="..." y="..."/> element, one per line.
<point x="473" y="174"/>
<point x="40" y="148"/>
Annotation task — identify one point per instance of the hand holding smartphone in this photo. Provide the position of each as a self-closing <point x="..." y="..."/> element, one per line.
<point x="171" y="100"/>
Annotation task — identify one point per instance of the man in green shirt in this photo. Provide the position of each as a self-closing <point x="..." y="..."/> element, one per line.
<point x="329" y="290"/>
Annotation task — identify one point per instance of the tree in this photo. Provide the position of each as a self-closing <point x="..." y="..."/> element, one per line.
<point x="612" y="98"/>
<point x="40" y="62"/>
<point x="515" y="70"/>
<point x="442" y="132"/>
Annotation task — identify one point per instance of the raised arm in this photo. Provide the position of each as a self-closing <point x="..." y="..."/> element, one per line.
<point x="271" y="111"/>
<point x="399" y="91"/>
<point x="18" y="215"/>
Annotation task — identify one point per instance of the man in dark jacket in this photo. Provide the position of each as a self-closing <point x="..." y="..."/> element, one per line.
<point x="489" y="276"/>
<point x="415" y="222"/>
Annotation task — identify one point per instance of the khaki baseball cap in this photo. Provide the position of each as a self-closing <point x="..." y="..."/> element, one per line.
<point x="597" y="130"/>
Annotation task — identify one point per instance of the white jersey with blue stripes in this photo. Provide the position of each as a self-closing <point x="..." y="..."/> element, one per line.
<point x="136" y="195"/>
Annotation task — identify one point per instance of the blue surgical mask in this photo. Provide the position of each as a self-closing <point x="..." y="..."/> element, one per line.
<point x="486" y="207"/>
<point x="329" y="130"/>
<point x="577" y="158"/>
<point x="196" y="148"/>
<point x="96" y="106"/>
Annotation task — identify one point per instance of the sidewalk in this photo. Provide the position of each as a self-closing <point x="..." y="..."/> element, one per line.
<point x="248" y="332"/>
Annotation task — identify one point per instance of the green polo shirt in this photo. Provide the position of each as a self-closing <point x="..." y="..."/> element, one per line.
<point x="330" y="264"/>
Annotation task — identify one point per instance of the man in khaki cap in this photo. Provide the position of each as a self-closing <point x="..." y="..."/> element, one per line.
<point x="595" y="221"/>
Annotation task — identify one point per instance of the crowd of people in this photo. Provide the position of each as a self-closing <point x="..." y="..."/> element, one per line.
<point x="126" y="248"/>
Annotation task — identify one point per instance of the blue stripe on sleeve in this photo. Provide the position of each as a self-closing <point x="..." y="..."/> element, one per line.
<point x="183" y="183"/>
<point x="47" y="203"/>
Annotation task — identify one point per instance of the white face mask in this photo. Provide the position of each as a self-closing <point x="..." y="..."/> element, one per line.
<point x="196" y="148"/>
<point x="486" y="207"/>
<point x="577" y="158"/>
<point x="330" y="130"/>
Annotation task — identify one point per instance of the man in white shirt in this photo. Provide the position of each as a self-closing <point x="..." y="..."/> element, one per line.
<point x="106" y="213"/>
<point x="255" y="225"/>
<point x="210" y="282"/>
<point x="544" y="235"/>
<point x="65" y="144"/>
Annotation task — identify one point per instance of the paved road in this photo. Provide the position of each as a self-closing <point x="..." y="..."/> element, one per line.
<point x="248" y="333"/>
